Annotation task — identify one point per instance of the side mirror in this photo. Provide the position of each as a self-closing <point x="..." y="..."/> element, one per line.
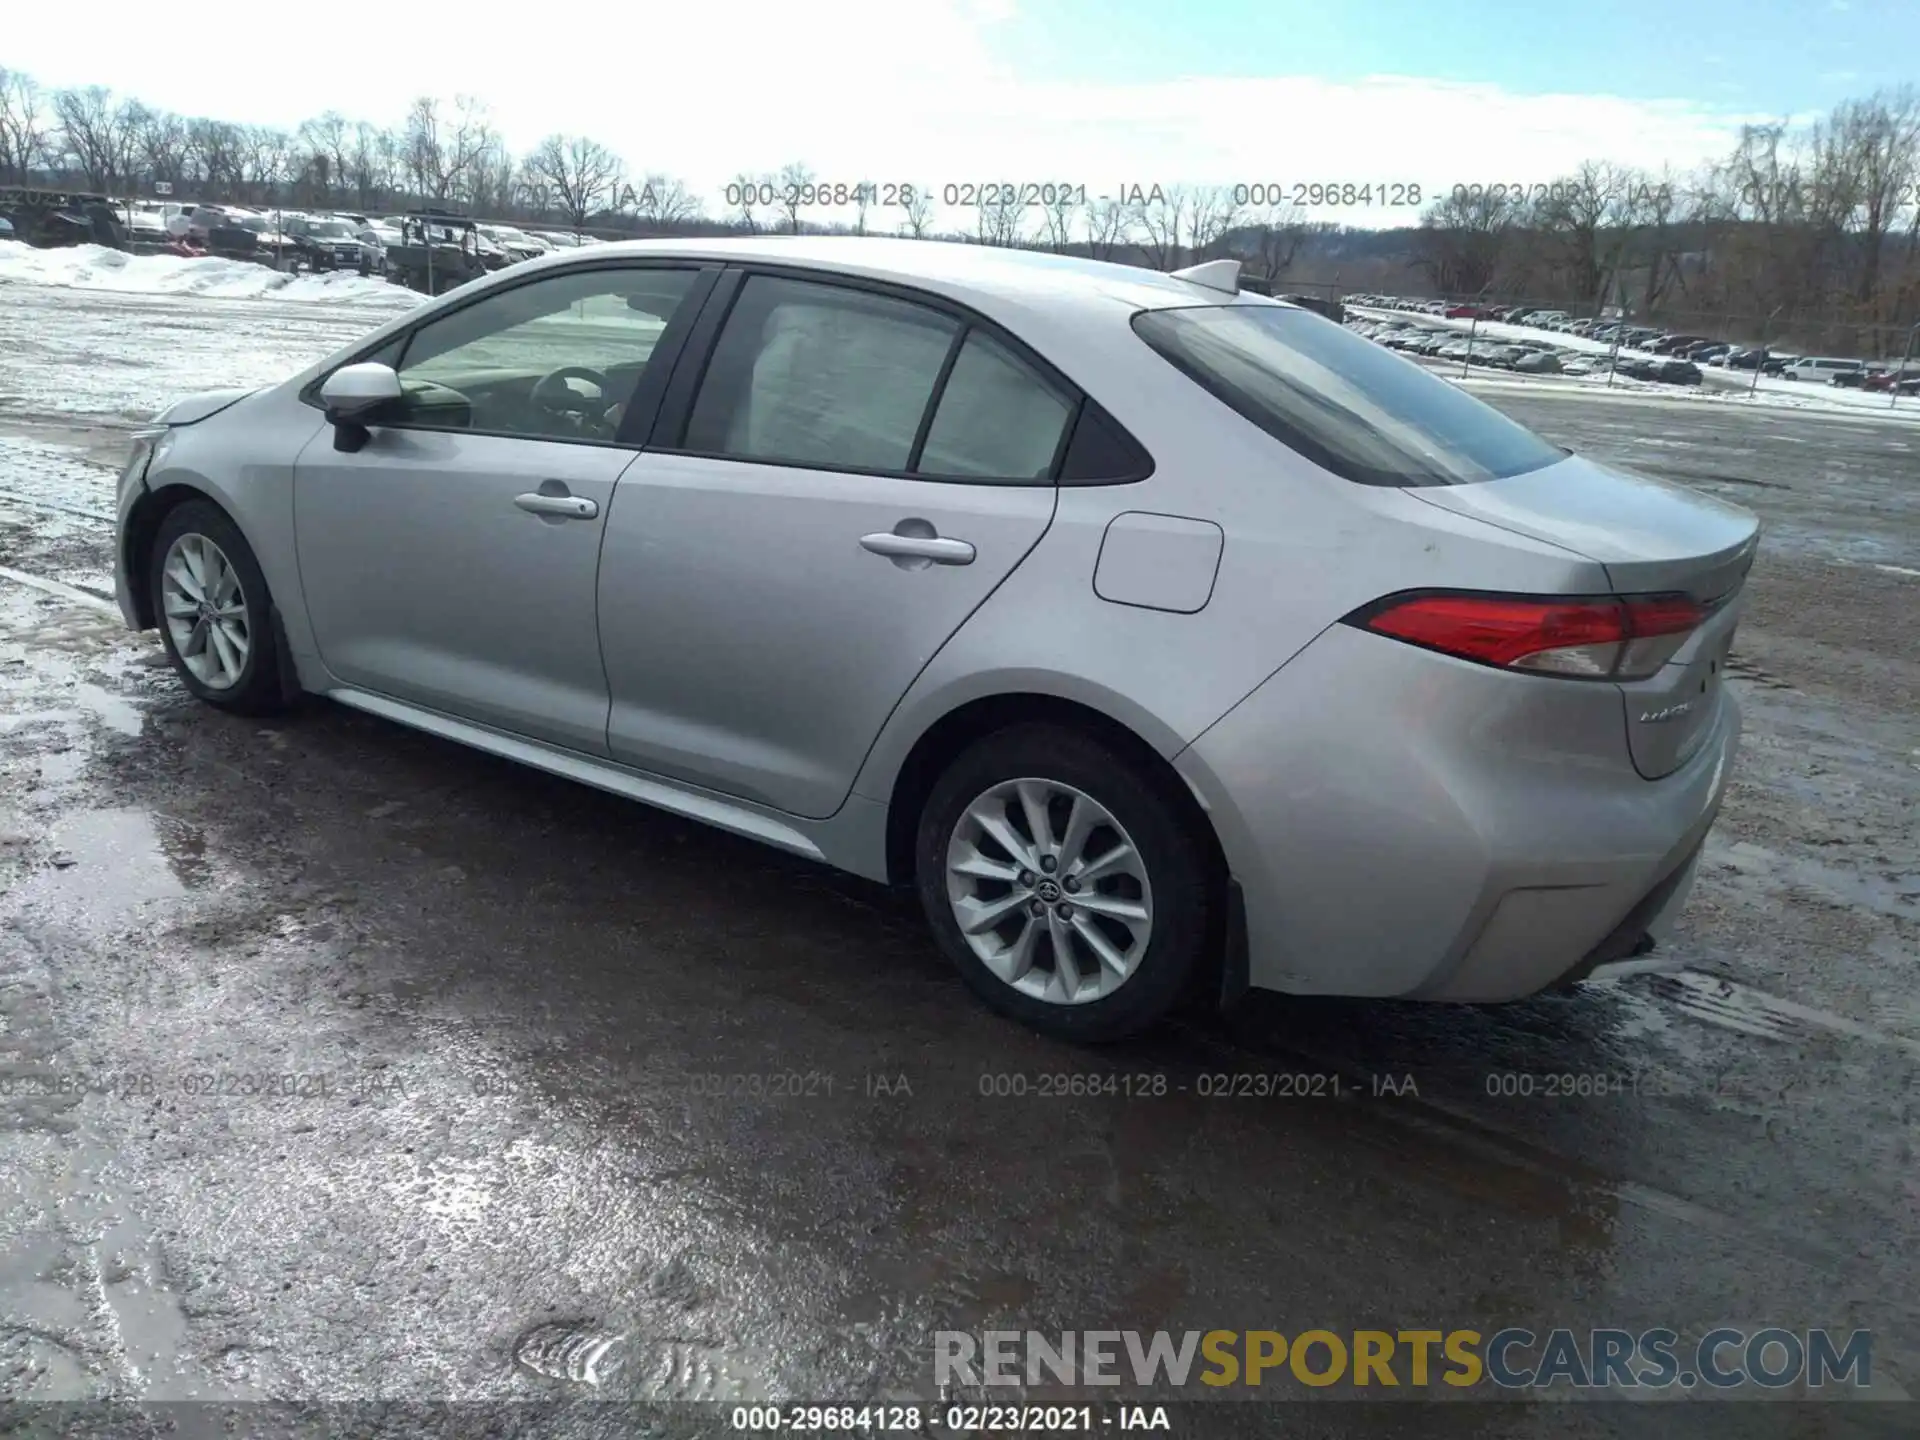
<point x="353" y="395"/>
<point x="352" y="391"/>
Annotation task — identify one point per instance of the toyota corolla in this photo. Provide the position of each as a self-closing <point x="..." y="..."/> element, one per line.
<point x="1160" y="635"/>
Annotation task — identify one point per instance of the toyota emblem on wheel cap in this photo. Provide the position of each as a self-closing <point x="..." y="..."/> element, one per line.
<point x="1048" y="891"/>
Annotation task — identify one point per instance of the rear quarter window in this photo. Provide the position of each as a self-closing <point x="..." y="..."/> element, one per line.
<point x="1341" y="401"/>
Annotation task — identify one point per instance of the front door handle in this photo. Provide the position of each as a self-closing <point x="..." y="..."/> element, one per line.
<point x="938" y="549"/>
<point x="563" y="507"/>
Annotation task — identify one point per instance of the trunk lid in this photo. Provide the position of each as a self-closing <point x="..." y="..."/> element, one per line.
<point x="1651" y="537"/>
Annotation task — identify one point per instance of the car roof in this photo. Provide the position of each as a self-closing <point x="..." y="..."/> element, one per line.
<point x="962" y="271"/>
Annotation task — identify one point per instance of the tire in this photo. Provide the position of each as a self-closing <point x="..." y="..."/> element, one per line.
<point x="1021" y="978"/>
<point x="205" y="543"/>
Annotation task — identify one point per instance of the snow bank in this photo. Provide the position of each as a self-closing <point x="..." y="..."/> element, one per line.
<point x="93" y="267"/>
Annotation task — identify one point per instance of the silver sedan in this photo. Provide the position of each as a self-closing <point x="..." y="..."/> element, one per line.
<point x="1160" y="635"/>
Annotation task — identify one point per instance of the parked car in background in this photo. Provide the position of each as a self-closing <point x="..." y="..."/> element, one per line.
<point x="515" y="242"/>
<point x="1537" y="362"/>
<point x="1649" y="367"/>
<point x="1896" y="377"/>
<point x="146" y="223"/>
<point x="325" y="242"/>
<point x="6" y="228"/>
<point x="379" y="234"/>
<point x="1819" y="369"/>
<point x="1264" y="551"/>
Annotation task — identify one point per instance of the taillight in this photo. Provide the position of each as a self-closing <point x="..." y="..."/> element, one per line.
<point x="1597" y="639"/>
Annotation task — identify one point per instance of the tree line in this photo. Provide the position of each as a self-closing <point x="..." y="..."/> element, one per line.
<point x="1796" y="228"/>
<point x="1817" y="223"/>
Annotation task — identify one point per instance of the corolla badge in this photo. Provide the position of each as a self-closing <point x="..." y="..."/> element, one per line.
<point x="1672" y="712"/>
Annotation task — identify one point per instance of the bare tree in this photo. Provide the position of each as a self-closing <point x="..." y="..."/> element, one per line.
<point x="581" y="172"/>
<point x="863" y="198"/>
<point x="442" y="151"/>
<point x="23" y="129"/>
<point x="1160" y="219"/>
<point x="1057" y="214"/>
<point x="493" y="181"/>
<point x="214" y="151"/>
<point x="1463" y="237"/>
<point x="752" y="194"/>
<point x="1275" y="238"/>
<point x="916" y="213"/>
<point x="91" y="134"/>
<point x="373" y="164"/>
<point x="1109" y="225"/>
<point x="1879" y="138"/>
<point x="1586" y="221"/>
<point x="1000" y="218"/>
<point x="329" y="140"/>
<point x="160" y="147"/>
<point x="265" y="156"/>
<point x="1210" y="213"/>
<point x="662" y="203"/>
<point x="795" y="184"/>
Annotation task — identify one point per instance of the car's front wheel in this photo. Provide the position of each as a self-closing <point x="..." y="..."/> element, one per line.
<point x="1064" y="882"/>
<point x="213" y="609"/>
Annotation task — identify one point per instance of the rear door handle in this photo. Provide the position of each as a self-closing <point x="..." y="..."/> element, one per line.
<point x="564" y="507"/>
<point x="937" y="548"/>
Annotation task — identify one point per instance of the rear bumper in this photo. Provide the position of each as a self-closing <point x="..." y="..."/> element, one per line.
<point x="1402" y="824"/>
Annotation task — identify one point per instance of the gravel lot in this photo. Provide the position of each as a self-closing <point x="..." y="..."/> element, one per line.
<point x="502" y="999"/>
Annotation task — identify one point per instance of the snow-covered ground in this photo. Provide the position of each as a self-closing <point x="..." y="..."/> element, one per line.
<point x="1719" y="385"/>
<point x="143" y="351"/>
<point x="93" y="267"/>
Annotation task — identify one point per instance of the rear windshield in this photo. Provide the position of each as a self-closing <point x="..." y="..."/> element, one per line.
<point x="1343" y="402"/>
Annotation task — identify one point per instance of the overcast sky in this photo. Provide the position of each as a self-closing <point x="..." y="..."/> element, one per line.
<point x="1101" y="93"/>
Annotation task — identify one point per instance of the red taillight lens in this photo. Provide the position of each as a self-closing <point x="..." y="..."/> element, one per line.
<point x="1601" y="639"/>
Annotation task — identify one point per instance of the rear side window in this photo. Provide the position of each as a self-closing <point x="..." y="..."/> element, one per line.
<point x="809" y="374"/>
<point x="1340" y="400"/>
<point x="996" y="418"/>
<point x="830" y="376"/>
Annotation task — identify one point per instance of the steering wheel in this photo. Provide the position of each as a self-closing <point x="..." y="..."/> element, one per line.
<point x="551" y="392"/>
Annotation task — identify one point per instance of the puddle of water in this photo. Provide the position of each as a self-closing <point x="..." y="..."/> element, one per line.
<point x="59" y="766"/>
<point x="111" y="862"/>
<point x="116" y="713"/>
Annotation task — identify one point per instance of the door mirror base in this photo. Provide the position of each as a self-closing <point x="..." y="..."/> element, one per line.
<point x="349" y="435"/>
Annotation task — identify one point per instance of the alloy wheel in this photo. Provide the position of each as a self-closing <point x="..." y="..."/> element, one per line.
<point x="206" y="611"/>
<point x="1049" y="891"/>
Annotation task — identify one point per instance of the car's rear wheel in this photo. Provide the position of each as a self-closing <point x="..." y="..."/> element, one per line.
<point x="213" y="609"/>
<point x="1064" y="882"/>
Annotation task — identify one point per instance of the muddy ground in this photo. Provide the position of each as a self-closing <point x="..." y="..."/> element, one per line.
<point x="503" y="1156"/>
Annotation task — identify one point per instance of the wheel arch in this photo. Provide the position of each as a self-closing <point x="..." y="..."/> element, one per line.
<point x="971" y="720"/>
<point x="137" y="535"/>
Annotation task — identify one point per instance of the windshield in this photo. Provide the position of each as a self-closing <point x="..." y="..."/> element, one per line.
<point x="329" y="228"/>
<point x="1340" y="400"/>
